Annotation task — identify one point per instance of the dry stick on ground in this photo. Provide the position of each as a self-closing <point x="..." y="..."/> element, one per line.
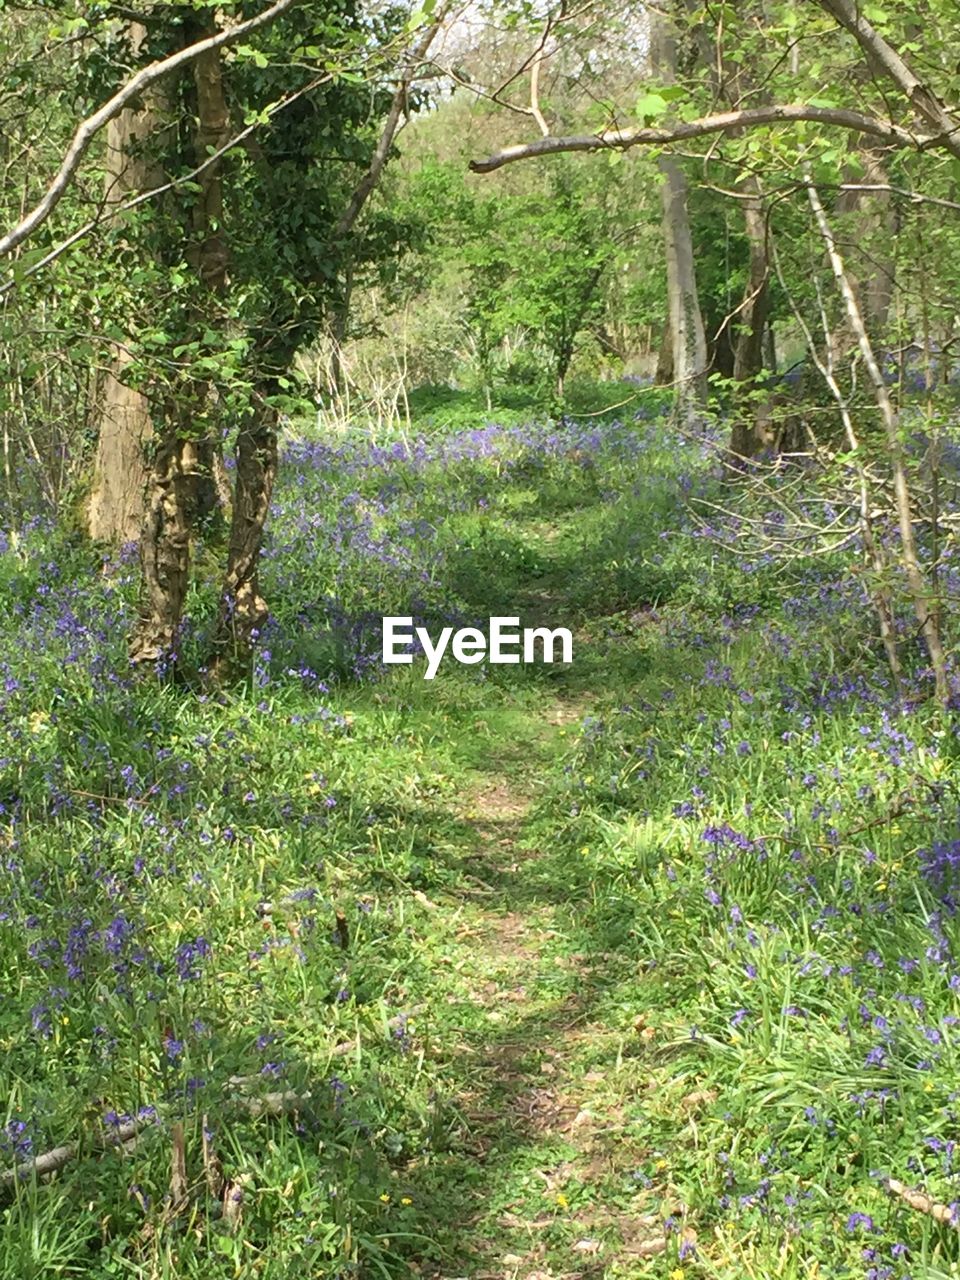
<point x="919" y="589"/>
<point x="271" y="1104"/>
<point x="53" y="1161"/>
<point x="920" y="1201"/>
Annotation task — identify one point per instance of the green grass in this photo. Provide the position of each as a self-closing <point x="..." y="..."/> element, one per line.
<point x="621" y="939"/>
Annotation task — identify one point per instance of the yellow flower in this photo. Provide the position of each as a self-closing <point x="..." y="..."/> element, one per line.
<point x="385" y="1198"/>
<point x="405" y="1200"/>
<point x="562" y="1201"/>
<point x="676" y="1273"/>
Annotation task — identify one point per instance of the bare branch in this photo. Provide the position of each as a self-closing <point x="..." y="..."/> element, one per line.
<point x="408" y="73"/>
<point x="914" y="197"/>
<point x="535" y="95"/>
<point x="723" y="122"/>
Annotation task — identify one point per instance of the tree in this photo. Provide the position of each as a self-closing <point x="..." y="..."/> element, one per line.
<point x="207" y="352"/>
<point x="686" y="336"/>
<point x="933" y="124"/>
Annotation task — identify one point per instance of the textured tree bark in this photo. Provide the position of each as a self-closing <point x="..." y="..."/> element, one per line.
<point x="164" y="552"/>
<point x="115" y="508"/>
<point x="181" y="473"/>
<point x="243" y="609"/>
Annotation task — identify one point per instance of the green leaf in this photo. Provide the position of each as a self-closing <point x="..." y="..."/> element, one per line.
<point x="651" y="106"/>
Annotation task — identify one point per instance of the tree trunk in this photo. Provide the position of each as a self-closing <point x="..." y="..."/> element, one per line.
<point x="165" y="552"/>
<point x="876" y="227"/>
<point x="687" y="337"/>
<point x="243" y="609"/>
<point x="752" y="430"/>
<point x="182" y="470"/>
<point x="115" y="509"/>
<point x="663" y="376"/>
<point x="754" y="310"/>
<point x="925" y="606"/>
<point x="339" y="326"/>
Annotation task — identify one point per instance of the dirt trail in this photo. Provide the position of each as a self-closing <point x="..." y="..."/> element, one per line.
<point x="545" y="1129"/>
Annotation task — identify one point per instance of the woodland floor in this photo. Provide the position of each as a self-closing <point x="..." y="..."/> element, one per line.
<point x="645" y="967"/>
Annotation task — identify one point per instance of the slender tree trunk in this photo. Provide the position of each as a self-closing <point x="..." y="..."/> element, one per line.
<point x="755" y="308"/>
<point x="875" y="558"/>
<point x="338" y="334"/>
<point x="115" y="508"/>
<point x="687" y="337"/>
<point x="751" y="429"/>
<point x="925" y="606"/>
<point x="876" y="226"/>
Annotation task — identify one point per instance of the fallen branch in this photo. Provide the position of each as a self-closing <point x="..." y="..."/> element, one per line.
<point x="53" y="1161"/>
<point x="920" y="1201"/>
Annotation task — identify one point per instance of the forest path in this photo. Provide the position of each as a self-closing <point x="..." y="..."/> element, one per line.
<point x="544" y="1169"/>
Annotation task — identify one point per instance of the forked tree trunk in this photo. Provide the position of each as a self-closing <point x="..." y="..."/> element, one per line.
<point x="181" y="469"/>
